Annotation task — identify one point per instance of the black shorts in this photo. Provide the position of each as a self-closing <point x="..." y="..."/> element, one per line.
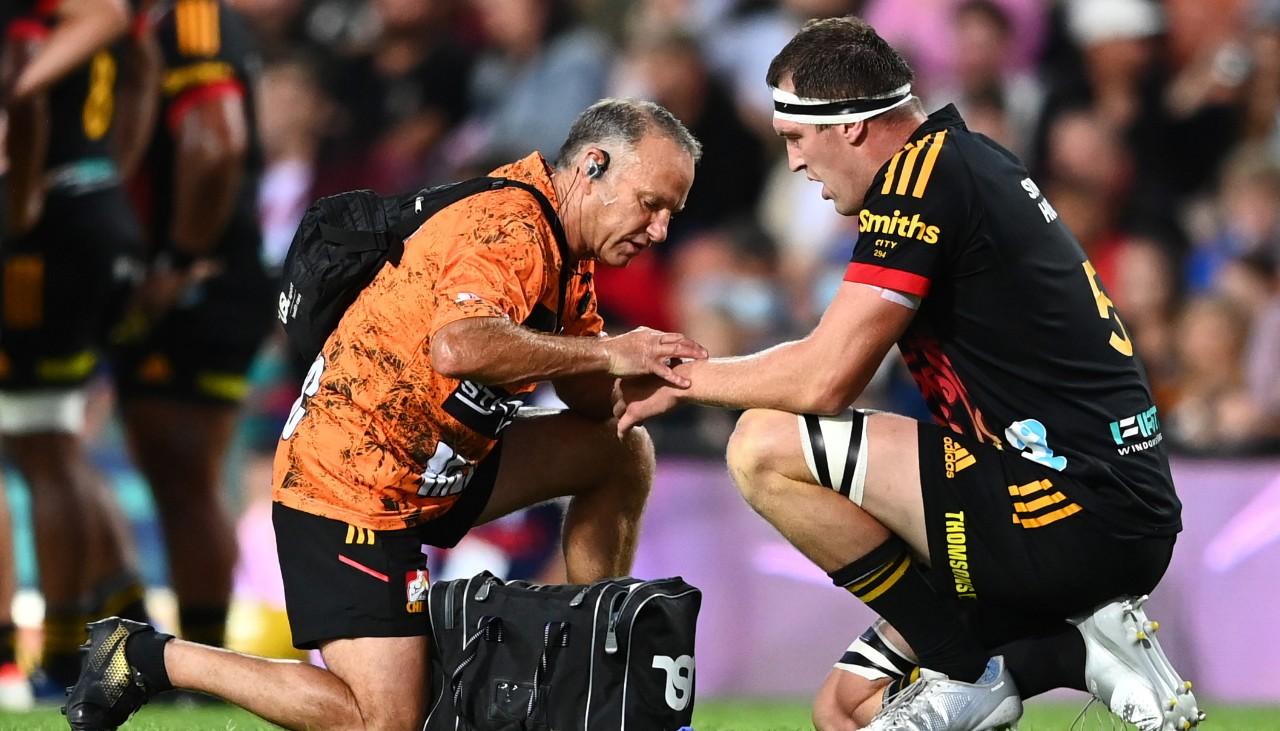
<point x="1008" y="540"/>
<point x="344" y="581"/>
<point x="63" y="287"/>
<point x="202" y="349"/>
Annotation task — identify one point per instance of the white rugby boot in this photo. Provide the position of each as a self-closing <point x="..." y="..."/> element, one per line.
<point x="1126" y="669"/>
<point x="937" y="703"/>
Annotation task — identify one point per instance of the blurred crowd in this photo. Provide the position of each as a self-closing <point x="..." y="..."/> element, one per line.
<point x="1152" y="127"/>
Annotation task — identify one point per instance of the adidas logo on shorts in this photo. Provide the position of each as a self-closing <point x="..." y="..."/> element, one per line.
<point x="955" y="457"/>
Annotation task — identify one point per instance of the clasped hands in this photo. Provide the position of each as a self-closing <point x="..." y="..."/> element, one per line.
<point x="649" y="377"/>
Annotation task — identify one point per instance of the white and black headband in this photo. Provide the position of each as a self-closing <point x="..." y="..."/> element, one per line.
<point x="791" y="108"/>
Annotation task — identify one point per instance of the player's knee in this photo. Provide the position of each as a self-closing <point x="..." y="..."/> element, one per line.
<point x="754" y="438"/>
<point x="829" y="714"/>
<point x="380" y="714"/>
<point x="639" y="462"/>
<point x="752" y="448"/>
<point x="638" y="446"/>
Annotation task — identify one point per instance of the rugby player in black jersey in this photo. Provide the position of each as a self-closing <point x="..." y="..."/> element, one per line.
<point x="1010" y="542"/>
<point x="205" y="307"/>
<point x="70" y="254"/>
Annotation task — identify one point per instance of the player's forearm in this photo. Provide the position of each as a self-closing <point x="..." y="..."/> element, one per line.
<point x="589" y="394"/>
<point x="207" y="178"/>
<point x="138" y="101"/>
<point x="495" y="351"/>
<point x="84" y="27"/>
<point x="27" y="144"/>
<point x="793" y="376"/>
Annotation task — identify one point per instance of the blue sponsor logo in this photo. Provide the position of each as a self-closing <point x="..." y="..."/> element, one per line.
<point x="1136" y="433"/>
<point x="1031" y="437"/>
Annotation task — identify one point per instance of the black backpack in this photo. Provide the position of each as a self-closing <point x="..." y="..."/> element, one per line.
<point x="344" y="240"/>
<point x="609" y="656"/>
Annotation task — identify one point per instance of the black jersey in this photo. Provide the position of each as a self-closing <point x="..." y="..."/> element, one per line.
<point x="81" y="107"/>
<point x="1016" y="342"/>
<point x="206" y="52"/>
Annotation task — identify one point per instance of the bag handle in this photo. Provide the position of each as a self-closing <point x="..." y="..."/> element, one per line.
<point x="544" y="667"/>
<point x="489" y="628"/>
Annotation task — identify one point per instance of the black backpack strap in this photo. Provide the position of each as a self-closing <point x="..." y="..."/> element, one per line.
<point x="557" y="229"/>
<point x="362" y="240"/>
<point x="429" y="201"/>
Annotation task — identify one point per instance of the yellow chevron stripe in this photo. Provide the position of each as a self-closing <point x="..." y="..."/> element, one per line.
<point x="204" y="72"/>
<point x="351" y="533"/>
<point x="1047" y="518"/>
<point x="206" y="32"/>
<point x="212" y="30"/>
<point x="909" y="166"/>
<point x="182" y="20"/>
<point x="855" y="588"/>
<point x="1030" y="487"/>
<point x="888" y="177"/>
<point x="70" y="368"/>
<point x="370" y="533"/>
<point x="1040" y="503"/>
<point x="889" y="582"/>
<point x="927" y="169"/>
<point x="24" y="292"/>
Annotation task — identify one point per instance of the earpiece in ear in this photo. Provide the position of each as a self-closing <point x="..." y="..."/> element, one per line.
<point x="596" y="168"/>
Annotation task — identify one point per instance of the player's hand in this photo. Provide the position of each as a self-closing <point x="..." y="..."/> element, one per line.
<point x="645" y="351"/>
<point x="163" y="288"/>
<point x="637" y="399"/>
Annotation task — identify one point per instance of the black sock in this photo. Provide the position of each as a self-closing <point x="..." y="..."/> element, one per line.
<point x="122" y="595"/>
<point x="63" y="635"/>
<point x="887" y="580"/>
<point x="8" y="643"/>
<point x="206" y="625"/>
<point x="145" y="652"/>
<point x="1040" y="664"/>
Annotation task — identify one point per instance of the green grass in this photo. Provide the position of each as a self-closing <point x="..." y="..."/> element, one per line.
<point x="712" y="715"/>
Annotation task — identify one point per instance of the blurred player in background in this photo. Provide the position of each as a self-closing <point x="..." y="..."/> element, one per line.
<point x="206" y="304"/>
<point x="70" y="257"/>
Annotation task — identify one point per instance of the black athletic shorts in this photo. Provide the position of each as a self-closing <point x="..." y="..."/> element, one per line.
<point x="1009" y="542"/>
<point x="63" y="287"/>
<point x="344" y="581"/>
<point x="202" y="349"/>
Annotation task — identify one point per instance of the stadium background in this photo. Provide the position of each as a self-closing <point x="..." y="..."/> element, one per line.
<point x="1154" y="127"/>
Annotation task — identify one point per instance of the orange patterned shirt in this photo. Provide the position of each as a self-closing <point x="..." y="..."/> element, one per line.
<point x="380" y="440"/>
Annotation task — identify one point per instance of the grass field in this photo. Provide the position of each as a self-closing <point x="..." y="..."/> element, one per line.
<point x="711" y="715"/>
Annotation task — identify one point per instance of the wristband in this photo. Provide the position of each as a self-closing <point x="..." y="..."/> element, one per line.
<point x="176" y="260"/>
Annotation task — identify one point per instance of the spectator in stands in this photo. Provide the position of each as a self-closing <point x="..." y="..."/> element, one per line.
<point x="293" y="114"/>
<point x="1213" y="411"/>
<point x="401" y="99"/>
<point x="1144" y="287"/>
<point x="541" y="67"/>
<point x="1248" y="213"/>
<point x="1262" y="355"/>
<point x="990" y="91"/>
<point x="667" y="67"/>
<point x="1087" y="176"/>
<point x="740" y="51"/>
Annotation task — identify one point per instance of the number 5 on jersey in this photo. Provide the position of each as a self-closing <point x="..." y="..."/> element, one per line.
<point x="309" y="387"/>
<point x="1107" y="311"/>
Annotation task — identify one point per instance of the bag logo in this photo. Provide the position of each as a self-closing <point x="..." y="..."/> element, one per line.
<point x="287" y="308"/>
<point x="679" y="679"/>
